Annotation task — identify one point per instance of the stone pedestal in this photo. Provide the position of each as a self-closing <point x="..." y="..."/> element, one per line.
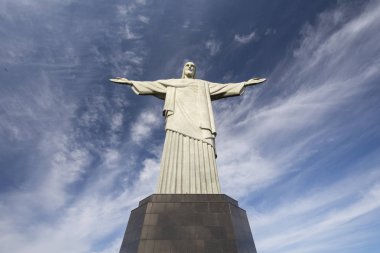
<point x="188" y="223"/>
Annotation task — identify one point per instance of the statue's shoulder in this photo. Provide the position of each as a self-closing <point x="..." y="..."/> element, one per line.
<point x="175" y="81"/>
<point x="181" y="82"/>
<point x="168" y="81"/>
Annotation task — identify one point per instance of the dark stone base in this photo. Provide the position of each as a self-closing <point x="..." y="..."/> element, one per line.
<point x="188" y="223"/>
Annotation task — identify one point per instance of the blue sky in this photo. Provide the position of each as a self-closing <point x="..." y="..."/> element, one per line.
<point x="300" y="153"/>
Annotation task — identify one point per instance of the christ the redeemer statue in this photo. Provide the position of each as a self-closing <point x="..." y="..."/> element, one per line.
<point x="188" y="163"/>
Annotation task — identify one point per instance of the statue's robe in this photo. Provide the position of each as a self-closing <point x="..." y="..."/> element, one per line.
<point x="188" y="161"/>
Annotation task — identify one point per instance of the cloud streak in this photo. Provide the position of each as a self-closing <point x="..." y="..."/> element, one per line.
<point x="245" y="39"/>
<point x="283" y="142"/>
<point x="77" y="160"/>
<point x="70" y="130"/>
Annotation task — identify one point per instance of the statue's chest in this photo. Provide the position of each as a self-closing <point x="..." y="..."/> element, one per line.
<point x="188" y="95"/>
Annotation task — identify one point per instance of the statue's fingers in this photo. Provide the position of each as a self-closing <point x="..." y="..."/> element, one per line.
<point x="115" y="80"/>
<point x="259" y="80"/>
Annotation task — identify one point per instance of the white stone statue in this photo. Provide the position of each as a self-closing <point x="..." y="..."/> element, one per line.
<point x="188" y="163"/>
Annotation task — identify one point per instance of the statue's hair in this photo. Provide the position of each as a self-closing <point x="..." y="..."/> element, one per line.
<point x="183" y="70"/>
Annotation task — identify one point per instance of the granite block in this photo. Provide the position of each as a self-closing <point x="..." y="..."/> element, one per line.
<point x="193" y="223"/>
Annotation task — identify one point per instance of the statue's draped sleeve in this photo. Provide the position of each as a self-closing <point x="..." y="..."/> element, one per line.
<point x="155" y="88"/>
<point x="218" y="91"/>
<point x="162" y="89"/>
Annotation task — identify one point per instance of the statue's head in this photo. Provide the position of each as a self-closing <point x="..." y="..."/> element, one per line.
<point x="189" y="70"/>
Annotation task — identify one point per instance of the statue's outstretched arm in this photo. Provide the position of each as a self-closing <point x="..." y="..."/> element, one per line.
<point x="254" y="81"/>
<point x="155" y="88"/>
<point x="218" y="90"/>
<point x="121" y="80"/>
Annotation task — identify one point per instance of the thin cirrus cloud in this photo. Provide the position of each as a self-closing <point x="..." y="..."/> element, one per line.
<point x="145" y="124"/>
<point x="56" y="123"/>
<point x="85" y="172"/>
<point x="213" y="46"/>
<point x="245" y="38"/>
<point x="328" y="213"/>
<point x="282" y="143"/>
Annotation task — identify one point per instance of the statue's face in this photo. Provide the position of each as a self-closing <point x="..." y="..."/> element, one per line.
<point x="189" y="70"/>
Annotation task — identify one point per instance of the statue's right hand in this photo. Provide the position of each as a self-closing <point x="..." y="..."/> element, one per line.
<point x="121" y="80"/>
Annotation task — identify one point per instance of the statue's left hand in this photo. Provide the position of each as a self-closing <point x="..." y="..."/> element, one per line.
<point x="254" y="81"/>
<point x="121" y="80"/>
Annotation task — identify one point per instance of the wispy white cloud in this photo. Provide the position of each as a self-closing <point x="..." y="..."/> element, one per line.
<point x="186" y="24"/>
<point x="7" y="7"/>
<point x="51" y="207"/>
<point x="117" y="121"/>
<point x="91" y="217"/>
<point x="142" y="2"/>
<point x="244" y="39"/>
<point x="325" y="222"/>
<point x="278" y="145"/>
<point x="82" y="183"/>
<point x="69" y="132"/>
<point x="129" y="60"/>
<point x="270" y="31"/>
<point x="317" y="91"/>
<point x="213" y="46"/>
<point x="144" y="125"/>
<point x="144" y="19"/>
<point x="128" y="34"/>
